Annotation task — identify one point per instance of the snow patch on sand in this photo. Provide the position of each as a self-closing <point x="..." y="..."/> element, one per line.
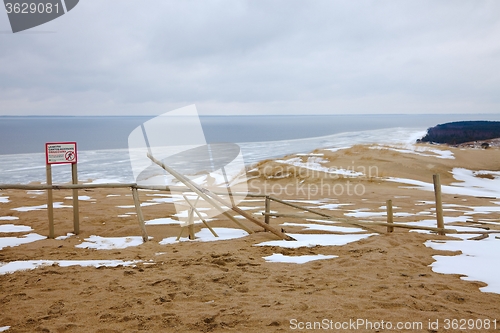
<point x="144" y="204"/>
<point x="278" y="257"/>
<point x="332" y="206"/>
<point x="312" y="240"/>
<point x="313" y="226"/>
<point x="22" y="265"/>
<point x="204" y="235"/>
<point x="478" y="261"/>
<point x="14" y="228"/>
<point x="110" y="243"/>
<point x="164" y="200"/>
<point x="418" y="150"/>
<point x="315" y="164"/>
<point x="16" y="241"/>
<point x="36" y="192"/>
<point x="8" y="218"/>
<point x="469" y="184"/>
<point x="105" y="181"/>
<point x="162" y="221"/>
<point x="80" y="197"/>
<point x="41" y="207"/>
<point x="68" y="235"/>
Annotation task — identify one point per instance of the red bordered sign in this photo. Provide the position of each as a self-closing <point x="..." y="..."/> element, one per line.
<point x="61" y="152"/>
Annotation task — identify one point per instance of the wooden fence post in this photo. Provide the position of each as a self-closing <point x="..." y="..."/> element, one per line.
<point x="267" y="209"/>
<point x="50" y="201"/>
<point x="390" y="216"/>
<point x="140" y="217"/>
<point x="76" y="211"/>
<point x="439" y="203"/>
<point x="191" y="223"/>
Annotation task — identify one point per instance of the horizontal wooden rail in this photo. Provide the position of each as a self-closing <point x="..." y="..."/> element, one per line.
<point x="314" y="211"/>
<point x="369" y="224"/>
<point x="115" y="185"/>
<point x="186" y="189"/>
<point x="50" y="187"/>
<point x="64" y="186"/>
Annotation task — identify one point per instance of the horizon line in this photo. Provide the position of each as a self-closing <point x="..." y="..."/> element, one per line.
<point x="263" y="115"/>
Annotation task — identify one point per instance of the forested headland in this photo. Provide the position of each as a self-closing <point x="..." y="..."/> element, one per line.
<point x="462" y="131"/>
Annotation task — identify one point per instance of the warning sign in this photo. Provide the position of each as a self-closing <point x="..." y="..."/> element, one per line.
<point x="60" y="152"/>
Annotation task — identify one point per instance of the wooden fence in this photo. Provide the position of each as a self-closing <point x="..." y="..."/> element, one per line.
<point x="267" y="208"/>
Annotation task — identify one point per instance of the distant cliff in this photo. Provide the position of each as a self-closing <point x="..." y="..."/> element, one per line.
<point x="462" y="131"/>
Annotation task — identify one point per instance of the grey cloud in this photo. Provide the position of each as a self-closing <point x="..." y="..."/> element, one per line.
<point x="257" y="56"/>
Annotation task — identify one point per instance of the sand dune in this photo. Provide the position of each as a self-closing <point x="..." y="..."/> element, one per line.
<point x="231" y="284"/>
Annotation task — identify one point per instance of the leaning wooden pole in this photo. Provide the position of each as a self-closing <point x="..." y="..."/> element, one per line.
<point x="439" y="203"/>
<point x="298" y="207"/>
<point x="213" y="199"/>
<point x="195" y="189"/>
<point x="199" y="215"/>
<point x="250" y="217"/>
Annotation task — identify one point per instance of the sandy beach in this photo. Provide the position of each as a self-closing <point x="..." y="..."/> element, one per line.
<point x="227" y="285"/>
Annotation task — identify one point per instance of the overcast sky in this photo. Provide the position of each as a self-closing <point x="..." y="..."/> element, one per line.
<point x="131" y="57"/>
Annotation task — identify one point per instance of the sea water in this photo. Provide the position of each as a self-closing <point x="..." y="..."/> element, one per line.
<point x="102" y="141"/>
